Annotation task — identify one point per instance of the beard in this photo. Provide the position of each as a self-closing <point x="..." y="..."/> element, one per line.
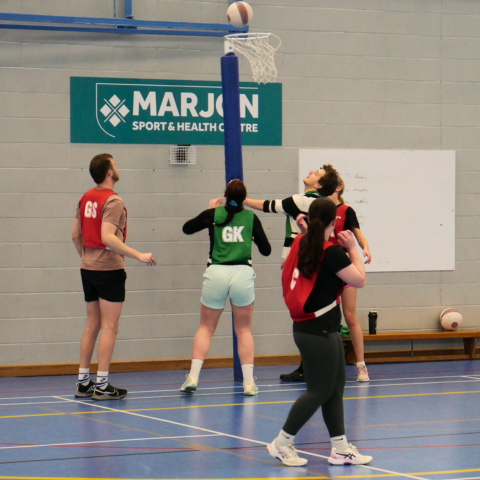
<point x="115" y="177"/>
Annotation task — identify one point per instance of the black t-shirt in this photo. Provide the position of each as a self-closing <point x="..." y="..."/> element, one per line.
<point x="324" y="292"/>
<point x="206" y="219"/>
<point x="351" y="220"/>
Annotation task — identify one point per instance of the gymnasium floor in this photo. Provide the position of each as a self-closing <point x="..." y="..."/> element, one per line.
<point x="419" y="420"/>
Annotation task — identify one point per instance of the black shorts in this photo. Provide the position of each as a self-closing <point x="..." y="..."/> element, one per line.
<point x="107" y="285"/>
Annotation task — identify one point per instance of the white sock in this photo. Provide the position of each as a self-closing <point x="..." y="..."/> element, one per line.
<point x="284" y="439"/>
<point x="196" y="367"/>
<point x="247" y="370"/>
<point x="102" y="380"/>
<point x="84" y="376"/>
<point x="340" y="443"/>
<point x="361" y="364"/>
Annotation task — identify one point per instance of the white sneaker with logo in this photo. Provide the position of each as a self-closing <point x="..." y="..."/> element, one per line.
<point x="287" y="455"/>
<point x="348" y="457"/>
<point x="250" y="389"/>
<point x="190" y="384"/>
<point x="362" y="373"/>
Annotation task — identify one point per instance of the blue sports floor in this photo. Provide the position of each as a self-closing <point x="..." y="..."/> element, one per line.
<point x="419" y="420"/>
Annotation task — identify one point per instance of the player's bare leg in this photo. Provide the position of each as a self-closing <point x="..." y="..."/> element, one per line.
<point x="87" y="344"/>
<point x="242" y="324"/>
<point x="201" y="345"/>
<point x="349" y="306"/>
<point x="208" y="323"/>
<point x="110" y="312"/>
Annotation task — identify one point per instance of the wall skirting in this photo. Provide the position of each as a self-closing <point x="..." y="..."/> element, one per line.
<point x="140" y="366"/>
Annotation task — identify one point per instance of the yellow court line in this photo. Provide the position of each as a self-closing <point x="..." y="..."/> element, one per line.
<point x="227" y="405"/>
<point x="91" y="478"/>
<point x="447" y="471"/>
<point x="423" y="423"/>
<point x="253" y="478"/>
<point x="412" y="395"/>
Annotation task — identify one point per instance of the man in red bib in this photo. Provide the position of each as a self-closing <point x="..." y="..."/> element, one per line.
<point x="98" y="233"/>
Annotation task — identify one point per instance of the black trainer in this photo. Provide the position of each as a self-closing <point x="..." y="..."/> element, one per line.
<point x="110" y="393"/>
<point x="295" y="376"/>
<point x="85" y="390"/>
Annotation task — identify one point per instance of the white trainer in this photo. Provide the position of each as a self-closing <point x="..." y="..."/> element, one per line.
<point x="250" y="389"/>
<point x="348" y="457"/>
<point x="190" y="384"/>
<point x="287" y="455"/>
<point x="362" y="373"/>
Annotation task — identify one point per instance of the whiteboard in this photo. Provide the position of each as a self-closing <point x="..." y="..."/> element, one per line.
<point x="404" y="200"/>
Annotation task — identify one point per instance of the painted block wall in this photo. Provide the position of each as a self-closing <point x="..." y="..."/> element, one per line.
<point x="355" y="73"/>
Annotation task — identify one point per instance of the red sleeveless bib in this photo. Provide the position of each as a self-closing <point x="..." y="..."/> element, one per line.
<point x="91" y="205"/>
<point x="297" y="288"/>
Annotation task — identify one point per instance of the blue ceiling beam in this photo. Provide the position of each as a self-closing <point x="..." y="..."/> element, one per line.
<point x="117" y="25"/>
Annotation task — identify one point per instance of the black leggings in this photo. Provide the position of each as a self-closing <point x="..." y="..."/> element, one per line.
<point x="324" y="366"/>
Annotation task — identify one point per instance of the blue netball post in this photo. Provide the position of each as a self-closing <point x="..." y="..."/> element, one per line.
<point x="233" y="148"/>
<point x="260" y="54"/>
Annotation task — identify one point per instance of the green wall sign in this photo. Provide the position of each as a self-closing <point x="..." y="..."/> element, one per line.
<point x="126" y="110"/>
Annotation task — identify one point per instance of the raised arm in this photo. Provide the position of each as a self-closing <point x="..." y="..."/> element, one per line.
<point x="260" y="238"/>
<point x="354" y="274"/>
<point x="200" y="222"/>
<point x="255" y="204"/>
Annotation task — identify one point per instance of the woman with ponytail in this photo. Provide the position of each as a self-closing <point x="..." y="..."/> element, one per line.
<point x="229" y="274"/>
<point x="313" y="278"/>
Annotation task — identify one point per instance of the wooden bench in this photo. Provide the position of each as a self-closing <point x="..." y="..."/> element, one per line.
<point x="469" y="346"/>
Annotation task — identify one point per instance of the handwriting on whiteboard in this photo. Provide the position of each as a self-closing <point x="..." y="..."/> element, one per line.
<point x="356" y="193"/>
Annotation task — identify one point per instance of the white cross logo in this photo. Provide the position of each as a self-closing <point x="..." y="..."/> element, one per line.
<point x="114" y="110"/>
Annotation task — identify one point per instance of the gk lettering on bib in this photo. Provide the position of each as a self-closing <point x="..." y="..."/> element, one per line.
<point x="232" y="234"/>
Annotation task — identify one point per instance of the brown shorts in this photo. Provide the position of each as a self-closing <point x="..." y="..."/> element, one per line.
<point x="107" y="285"/>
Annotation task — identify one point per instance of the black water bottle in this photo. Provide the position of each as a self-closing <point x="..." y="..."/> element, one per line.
<point x="372" y="323"/>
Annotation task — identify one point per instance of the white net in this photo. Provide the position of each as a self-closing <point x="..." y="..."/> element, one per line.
<point x="260" y="53"/>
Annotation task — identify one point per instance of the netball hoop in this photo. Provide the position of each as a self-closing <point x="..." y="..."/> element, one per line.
<point x="260" y="53"/>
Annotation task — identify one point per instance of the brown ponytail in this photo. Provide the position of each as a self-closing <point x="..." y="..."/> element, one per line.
<point x="235" y="194"/>
<point x="321" y="213"/>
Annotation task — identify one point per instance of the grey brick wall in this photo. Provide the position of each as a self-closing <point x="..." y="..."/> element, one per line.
<point x="355" y="73"/>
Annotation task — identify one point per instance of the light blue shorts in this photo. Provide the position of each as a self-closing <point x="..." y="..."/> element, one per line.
<point x="222" y="281"/>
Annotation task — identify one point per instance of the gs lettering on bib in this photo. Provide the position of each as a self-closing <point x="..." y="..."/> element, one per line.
<point x="91" y="209"/>
<point x="91" y="205"/>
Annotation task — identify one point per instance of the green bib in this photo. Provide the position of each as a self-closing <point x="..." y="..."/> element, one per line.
<point x="233" y="241"/>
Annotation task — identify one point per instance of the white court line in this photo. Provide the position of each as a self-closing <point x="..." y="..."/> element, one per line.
<point x="27" y="403"/>
<point x="282" y="385"/>
<point x="465" y="478"/>
<point x="282" y="390"/>
<point x="231" y="436"/>
<point x="104" y="441"/>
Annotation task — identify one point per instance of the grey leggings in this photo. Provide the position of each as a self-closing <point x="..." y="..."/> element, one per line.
<point x="324" y="368"/>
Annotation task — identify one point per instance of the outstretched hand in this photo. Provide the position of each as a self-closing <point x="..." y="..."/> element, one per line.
<point x="215" y="202"/>
<point x="366" y="253"/>
<point x="301" y="222"/>
<point x="148" y="258"/>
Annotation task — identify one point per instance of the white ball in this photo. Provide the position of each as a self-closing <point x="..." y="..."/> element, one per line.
<point x="239" y="14"/>
<point x="451" y="319"/>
